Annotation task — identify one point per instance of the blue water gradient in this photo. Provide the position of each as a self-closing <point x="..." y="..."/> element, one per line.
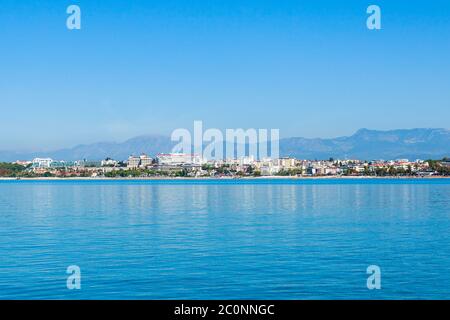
<point x="227" y="239"/>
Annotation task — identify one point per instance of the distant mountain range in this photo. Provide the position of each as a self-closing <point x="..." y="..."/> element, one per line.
<point x="373" y="144"/>
<point x="364" y="144"/>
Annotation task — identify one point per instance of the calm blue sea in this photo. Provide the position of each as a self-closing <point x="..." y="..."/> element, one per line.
<point x="258" y="239"/>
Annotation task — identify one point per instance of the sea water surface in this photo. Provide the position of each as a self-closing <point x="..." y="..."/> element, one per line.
<point x="210" y="239"/>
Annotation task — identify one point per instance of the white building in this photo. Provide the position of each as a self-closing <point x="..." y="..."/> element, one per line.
<point x="142" y="161"/>
<point x="247" y="161"/>
<point x="178" y="159"/>
<point x="269" y="170"/>
<point x="108" y="163"/>
<point x="42" y="162"/>
<point x="145" y="161"/>
<point x="133" y="162"/>
<point x="287" y="163"/>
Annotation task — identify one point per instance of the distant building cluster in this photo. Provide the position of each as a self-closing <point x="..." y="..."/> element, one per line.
<point x="192" y="165"/>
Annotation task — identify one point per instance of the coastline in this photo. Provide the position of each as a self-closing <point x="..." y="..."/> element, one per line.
<point x="223" y="178"/>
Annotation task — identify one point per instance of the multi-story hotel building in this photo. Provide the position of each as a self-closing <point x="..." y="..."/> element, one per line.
<point x="178" y="159"/>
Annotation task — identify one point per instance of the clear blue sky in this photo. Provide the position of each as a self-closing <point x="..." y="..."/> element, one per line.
<point x="308" y="67"/>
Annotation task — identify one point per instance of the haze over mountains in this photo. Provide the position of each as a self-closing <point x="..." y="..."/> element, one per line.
<point x="364" y="144"/>
<point x="372" y="144"/>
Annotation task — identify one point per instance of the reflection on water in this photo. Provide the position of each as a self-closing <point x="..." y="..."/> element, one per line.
<point x="274" y="240"/>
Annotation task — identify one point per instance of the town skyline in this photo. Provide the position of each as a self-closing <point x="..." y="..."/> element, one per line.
<point x="179" y="165"/>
